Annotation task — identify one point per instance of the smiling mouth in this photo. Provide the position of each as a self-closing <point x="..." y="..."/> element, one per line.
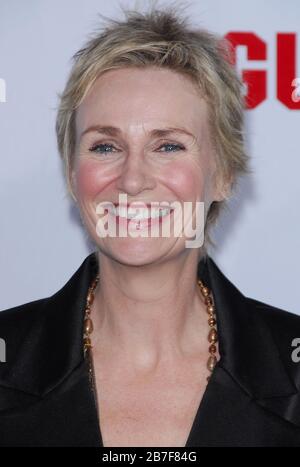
<point x="139" y="218"/>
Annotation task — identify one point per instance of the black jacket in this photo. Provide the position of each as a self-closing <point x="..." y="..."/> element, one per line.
<point x="252" y="398"/>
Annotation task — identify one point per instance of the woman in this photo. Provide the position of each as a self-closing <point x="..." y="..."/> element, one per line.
<point x="148" y="343"/>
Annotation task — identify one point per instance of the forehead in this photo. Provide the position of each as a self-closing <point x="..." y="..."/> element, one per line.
<point x="135" y="98"/>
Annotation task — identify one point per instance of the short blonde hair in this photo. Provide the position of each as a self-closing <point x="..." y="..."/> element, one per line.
<point x="161" y="37"/>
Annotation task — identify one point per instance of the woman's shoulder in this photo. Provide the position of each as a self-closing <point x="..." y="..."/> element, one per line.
<point x="25" y="312"/>
<point x="19" y="328"/>
<point x="283" y="327"/>
<point x="273" y="314"/>
<point x="42" y="338"/>
<point x="69" y="297"/>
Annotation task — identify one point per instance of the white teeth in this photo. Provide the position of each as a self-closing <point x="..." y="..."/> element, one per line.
<point x="160" y="213"/>
<point x="140" y="213"/>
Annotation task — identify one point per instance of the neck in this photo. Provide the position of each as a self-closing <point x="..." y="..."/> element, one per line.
<point x="149" y="315"/>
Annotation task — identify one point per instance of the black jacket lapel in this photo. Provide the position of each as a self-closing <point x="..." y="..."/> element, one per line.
<point x="44" y="338"/>
<point x="255" y="346"/>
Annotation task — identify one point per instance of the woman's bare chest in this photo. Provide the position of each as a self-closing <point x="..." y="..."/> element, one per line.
<point x="157" y="413"/>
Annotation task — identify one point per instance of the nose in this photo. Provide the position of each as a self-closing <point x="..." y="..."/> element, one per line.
<point x="136" y="176"/>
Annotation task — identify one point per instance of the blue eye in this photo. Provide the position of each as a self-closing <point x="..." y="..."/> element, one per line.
<point x="170" y="145"/>
<point x="99" y="146"/>
<point x="103" y="148"/>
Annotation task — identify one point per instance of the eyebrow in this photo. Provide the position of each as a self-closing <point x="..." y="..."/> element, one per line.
<point x="115" y="131"/>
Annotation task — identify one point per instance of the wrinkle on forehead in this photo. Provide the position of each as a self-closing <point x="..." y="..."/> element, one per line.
<point x="138" y="100"/>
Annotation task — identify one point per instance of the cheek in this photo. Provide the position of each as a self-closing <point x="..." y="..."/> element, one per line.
<point x="89" y="179"/>
<point x="187" y="180"/>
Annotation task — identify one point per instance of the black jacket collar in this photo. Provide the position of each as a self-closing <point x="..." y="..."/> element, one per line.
<point x="44" y="338"/>
<point x="247" y="346"/>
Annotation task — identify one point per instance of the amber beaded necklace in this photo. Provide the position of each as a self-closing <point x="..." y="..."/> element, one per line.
<point x="212" y="323"/>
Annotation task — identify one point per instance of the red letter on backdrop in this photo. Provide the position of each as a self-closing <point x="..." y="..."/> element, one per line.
<point x="256" y="80"/>
<point x="286" y="69"/>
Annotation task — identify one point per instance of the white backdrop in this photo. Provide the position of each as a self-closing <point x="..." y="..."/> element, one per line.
<point x="41" y="240"/>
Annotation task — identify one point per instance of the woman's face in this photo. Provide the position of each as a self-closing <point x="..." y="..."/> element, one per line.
<point x="147" y="166"/>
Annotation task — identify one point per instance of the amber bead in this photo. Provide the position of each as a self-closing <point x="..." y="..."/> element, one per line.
<point x="88" y="326"/>
<point x="212" y="348"/>
<point x="211" y="363"/>
<point x="90" y="298"/>
<point x="205" y="291"/>
<point x="211" y="322"/>
<point x="208" y="301"/>
<point x="212" y="336"/>
<point x="87" y="342"/>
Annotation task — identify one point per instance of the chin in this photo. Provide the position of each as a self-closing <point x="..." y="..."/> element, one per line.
<point x="135" y="251"/>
